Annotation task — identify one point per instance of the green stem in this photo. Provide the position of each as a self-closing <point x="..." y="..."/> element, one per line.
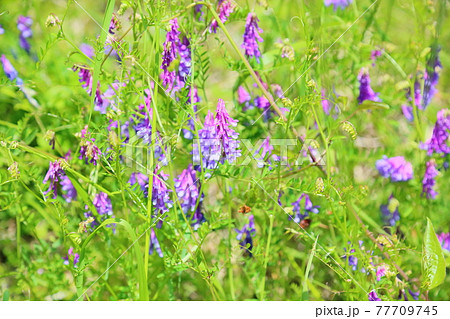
<point x="266" y="259"/>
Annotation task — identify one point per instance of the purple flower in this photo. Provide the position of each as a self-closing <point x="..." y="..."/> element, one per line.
<point x="193" y="99"/>
<point x="418" y="94"/>
<point x="342" y="4"/>
<point x="160" y="194"/>
<point x="244" y="97"/>
<point x="365" y="91"/>
<point x="69" y="191"/>
<point x="265" y="149"/>
<point x="395" y="168"/>
<point x="428" y="181"/>
<point x="438" y="141"/>
<point x="326" y="105"/>
<point x="24" y="26"/>
<point x="139" y="178"/>
<point x="431" y="76"/>
<point x="170" y="54"/>
<point x="114" y="24"/>
<point x="71" y="256"/>
<point x="143" y="130"/>
<point x="374" y="55"/>
<point x="252" y="37"/>
<point x="103" y="204"/>
<point x="184" y="69"/>
<point x="10" y="72"/>
<point x="209" y="144"/>
<point x="154" y="244"/>
<point x="444" y="239"/>
<point x="198" y="11"/>
<point x="226" y="134"/>
<point x="373" y="296"/>
<point x="109" y="98"/>
<point x="54" y="174"/>
<point x="1" y="29"/>
<point x="87" y="50"/>
<point x="390" y="212"/>
<point x="88" y="150"/>
<point x="302" y="211"/>
<point x="245" y="235"/>
<point x="187" y="190"/>
<point x="381" y="272"/>
<point x="408" y="112"/>
<point x="226" y="7"/>
<point x="85" y="78"/>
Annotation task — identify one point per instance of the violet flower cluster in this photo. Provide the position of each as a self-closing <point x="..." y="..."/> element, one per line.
<point x="10" y="71"/>
<point x="395" y="168"/>
<point x="373" y="296"/>
<point x="341" y="4"/>
<point x="444" y="239"/>
<point x="88" y="150"/>
<point x="24" y="25"/>
<point x="56" y="175"/>
<point x="218" y="141"/>
<point x="301" y="211"/>
<point x="175" y="80"/>
<point x="431" y="76"/>
<point x="154" y="244"/>
<point x="71" y="256"/>
<point x="193" y="99"/>
<point x="438" y="143"/>
<point x="365" y="90"/>
<point x="187" y="188"/>
<point x="246" y="234"/>
<point x="389" y="212"/>
<point x="252" y="37"/>
<point x="226" y="7"/>
<point x="429" y="182"/>
<point x="160" y="194"/>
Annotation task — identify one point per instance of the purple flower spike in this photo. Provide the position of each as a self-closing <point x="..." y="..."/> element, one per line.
<point x="381" y="272"/>
<point x="186" y="188"/>
<point x="71" y="256"/>
<point x="244" y="98"/>
<point x="10" y="72"/>
<point x="103" y="204"/>
<point x="54" y="174"/>
<point x="226" y="7"/>
<point x="431" y="76"/>
<point x="226" y="134"/>
<point x="408" y="112"/>
<point x="374" y="55"/>
<point x="342" y="4"/>
<point x="439" y="140"/>
<point x="444" y="239"/>
<point x="395" y="168"/>
<point x="365" y="91"/>
<point x="170" y="54"/>
<point x="24" y="26"/>
<point x="301" y="212"/>
<point x="252" y="37"/>
<point x="209" y="144"/>
<point x="245" y="235"/>
<point x="373" y="296"/>
<point x="88" y="150"/>
<point x="154" y="244"/>
<point x="390" y="212"/>
<point x="160" y="194"/>
<point x="87" y="49"/>
<point x="69" y="190"/>
<point x="428" y="181"/>
<point x="85" y="78"/>
<point x="139" y="178"/>
<point x="193" y="99"/>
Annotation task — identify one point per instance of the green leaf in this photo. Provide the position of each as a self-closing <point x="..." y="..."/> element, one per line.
<point x="372" y="105"/>
<point x="433" y="262"/>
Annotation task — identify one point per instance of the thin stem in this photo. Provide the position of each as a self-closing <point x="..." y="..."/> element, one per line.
<point x="266" y="259"/>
